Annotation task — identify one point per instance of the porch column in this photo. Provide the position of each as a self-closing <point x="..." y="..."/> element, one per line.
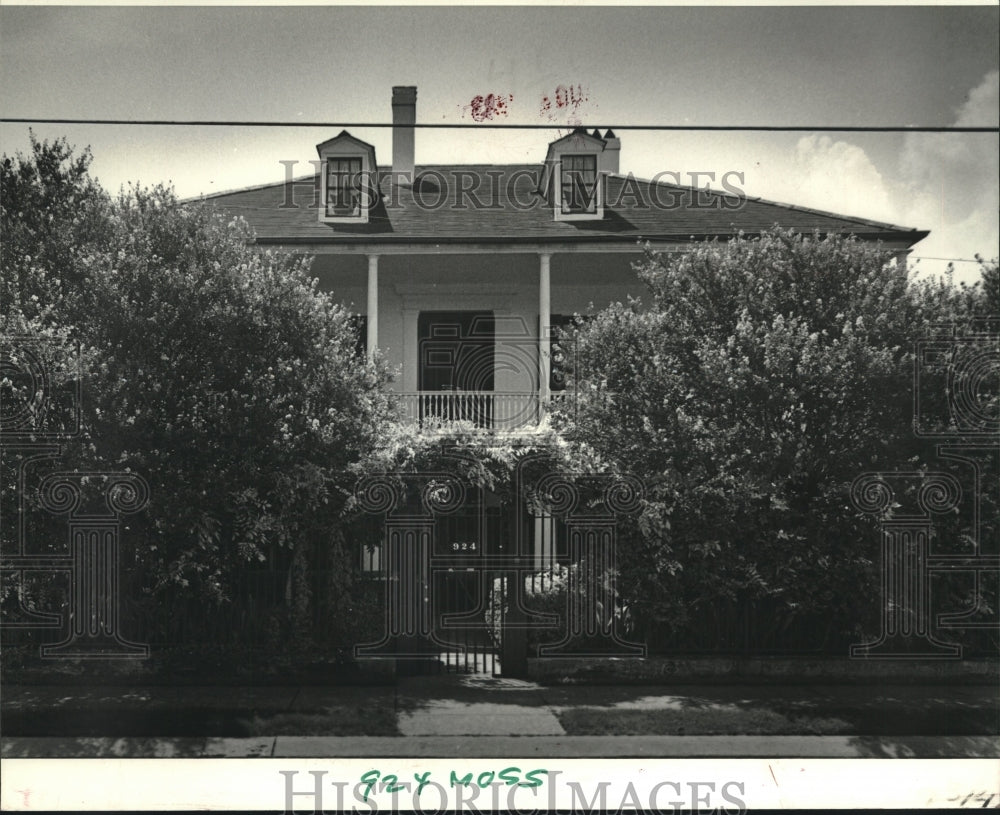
<point x="544" y="318"/>
<point x="411" y="349"/>
<point x="372" y="305"/>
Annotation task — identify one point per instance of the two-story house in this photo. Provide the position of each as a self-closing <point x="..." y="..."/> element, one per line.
<point x="457" y="274"/>
<point x="457" y="271"/>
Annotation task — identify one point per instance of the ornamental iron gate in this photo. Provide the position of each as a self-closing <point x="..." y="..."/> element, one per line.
<point x="463" y="572"/>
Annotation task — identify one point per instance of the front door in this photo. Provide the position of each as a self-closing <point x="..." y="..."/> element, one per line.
<point x="456" y="353"/>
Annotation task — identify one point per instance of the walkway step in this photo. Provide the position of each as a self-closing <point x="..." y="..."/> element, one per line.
<point x="455" y="718"/>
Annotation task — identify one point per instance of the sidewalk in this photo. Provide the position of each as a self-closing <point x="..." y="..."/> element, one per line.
<point x="479" y="716"/>
<point x="508" y="747"/>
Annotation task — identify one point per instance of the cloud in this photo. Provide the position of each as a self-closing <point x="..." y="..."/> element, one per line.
<point x="944" y="182"/>
<point x="838" y="177"/>
<point x="981" y="109"/>
<point x="950" y="181"/>
<point x="825" y="174"/>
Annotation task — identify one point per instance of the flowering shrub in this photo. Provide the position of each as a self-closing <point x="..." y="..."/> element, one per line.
<point x="759" y="378"/>
<point x="218" y="372"/>
<point x="545" y="592"/>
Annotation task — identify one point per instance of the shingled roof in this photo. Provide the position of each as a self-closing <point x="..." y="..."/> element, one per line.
<point x="507" y="209"/>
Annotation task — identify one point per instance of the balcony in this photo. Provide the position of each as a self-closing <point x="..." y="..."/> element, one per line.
<point x="485" y="409"/>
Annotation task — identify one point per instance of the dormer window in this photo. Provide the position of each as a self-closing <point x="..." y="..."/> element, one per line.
<point x="578" y="184"/>
<point x="571" y="177"/>
<point x="348" y="180"/>
<point x="343" y="187"/>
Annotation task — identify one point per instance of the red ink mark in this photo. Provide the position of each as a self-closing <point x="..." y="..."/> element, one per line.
<point x="26" y="794"/>
<point x="491" y="106"/>
<point x="775" y="780"/>
<point x="566" y="99"/>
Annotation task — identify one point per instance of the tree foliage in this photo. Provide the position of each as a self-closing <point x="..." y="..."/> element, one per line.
<point x="217" y="372"/>
<point x="761" y="377"/>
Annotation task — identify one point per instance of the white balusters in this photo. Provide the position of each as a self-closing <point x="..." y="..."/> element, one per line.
<point x="486" y="409"/>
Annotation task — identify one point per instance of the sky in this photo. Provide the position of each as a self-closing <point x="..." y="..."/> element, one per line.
<point x="885" y="66"/>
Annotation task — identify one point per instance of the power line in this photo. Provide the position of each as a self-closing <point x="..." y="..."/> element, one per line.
<point x="950" y="260"/>
<point x="496" y="126"/>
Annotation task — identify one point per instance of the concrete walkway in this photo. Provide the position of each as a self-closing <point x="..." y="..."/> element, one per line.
<point x="474" y="706"/>
<point x="481" y="716"/>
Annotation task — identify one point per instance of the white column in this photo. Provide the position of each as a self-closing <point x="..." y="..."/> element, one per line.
<point x="411" y="343"/>
<point x="544" y="318"/>
<point x="372" y="305"/>
<point x="901" y="258"/>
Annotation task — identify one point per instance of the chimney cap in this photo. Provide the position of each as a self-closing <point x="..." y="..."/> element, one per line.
<point x="610" y="134"/>
<point x="404" y="94"/>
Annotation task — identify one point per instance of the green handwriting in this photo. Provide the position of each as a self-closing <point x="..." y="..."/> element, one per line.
<point x="509" y="776"/>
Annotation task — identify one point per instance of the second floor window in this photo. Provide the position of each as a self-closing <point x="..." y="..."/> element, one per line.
<point x="578" y="184"/>
<point x="343" y="187"/>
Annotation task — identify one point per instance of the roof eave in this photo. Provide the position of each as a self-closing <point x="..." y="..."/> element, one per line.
<point x="909" y="237"/>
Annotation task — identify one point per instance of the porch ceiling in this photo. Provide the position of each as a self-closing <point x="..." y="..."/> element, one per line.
<point x="503" y="270"/>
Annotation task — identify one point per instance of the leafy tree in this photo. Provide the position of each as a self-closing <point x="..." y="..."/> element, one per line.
<point x="762" y="376"/>
<point x="217" y="372"/>
<point x="51" y="209"/>
<point x="990" y="271"/>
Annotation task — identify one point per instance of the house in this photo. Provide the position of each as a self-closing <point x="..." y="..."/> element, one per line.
<point x="458" y="272"/>
<point x="457" y="275"/>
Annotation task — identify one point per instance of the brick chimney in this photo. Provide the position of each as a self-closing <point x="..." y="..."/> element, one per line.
<point x="404" y="117"/>
<point x="612" y="153"/>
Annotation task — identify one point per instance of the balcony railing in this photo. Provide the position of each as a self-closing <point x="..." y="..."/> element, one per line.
<point x="485" y="409"/>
